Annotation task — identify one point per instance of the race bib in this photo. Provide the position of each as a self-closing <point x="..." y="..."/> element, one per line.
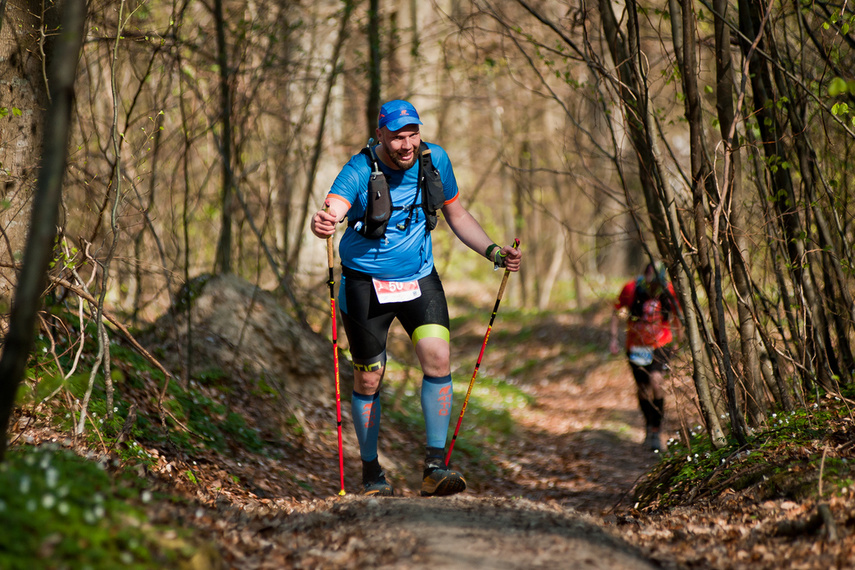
<point x="396" y="291"/>
<point x="641" y="355"/>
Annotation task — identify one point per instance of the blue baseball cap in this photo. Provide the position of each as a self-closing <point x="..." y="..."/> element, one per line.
<point x="397" y="114"/>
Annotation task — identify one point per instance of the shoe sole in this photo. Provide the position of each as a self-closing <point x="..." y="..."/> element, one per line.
<point x="380" y="493"/>
<point x="445" y="487"/>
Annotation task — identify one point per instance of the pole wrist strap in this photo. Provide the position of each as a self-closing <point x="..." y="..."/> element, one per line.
<point x="499" y="260"/>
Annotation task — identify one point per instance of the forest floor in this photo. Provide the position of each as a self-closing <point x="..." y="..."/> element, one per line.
<point x="558" y="489"/>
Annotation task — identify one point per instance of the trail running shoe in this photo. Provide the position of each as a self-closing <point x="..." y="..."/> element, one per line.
<point x="653" y="441"/>
<point x="374" y="480"/>
<point x="440" y="481"/>
<point x="379" y="487"/>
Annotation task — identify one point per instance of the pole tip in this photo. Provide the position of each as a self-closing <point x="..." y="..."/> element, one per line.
<point x="342" y="493"/>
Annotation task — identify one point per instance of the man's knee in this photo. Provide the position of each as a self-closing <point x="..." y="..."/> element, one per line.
<point x="436" y="363"/>
<point x="657" y="380"/>
<point x="434" y="354"/>
<point x="645" y="392"/>
<point x="367" y="383"/>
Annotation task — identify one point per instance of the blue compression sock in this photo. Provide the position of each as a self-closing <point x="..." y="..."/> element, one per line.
<point x="436" y="406"/>
<point x="366" y="421"/>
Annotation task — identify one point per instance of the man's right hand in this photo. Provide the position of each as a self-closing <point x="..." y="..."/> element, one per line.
<point x="323" y="222"/>
<point x="614" y="346"/>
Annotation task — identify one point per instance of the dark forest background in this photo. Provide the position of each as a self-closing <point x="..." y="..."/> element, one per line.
<point x="146" y="144"/>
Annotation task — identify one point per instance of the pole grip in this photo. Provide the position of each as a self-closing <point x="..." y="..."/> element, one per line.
<point x="330" y="255"/>
<point x="507" y="273"/>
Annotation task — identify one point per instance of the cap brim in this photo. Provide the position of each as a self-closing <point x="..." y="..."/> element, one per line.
<point x="401" y="122"/>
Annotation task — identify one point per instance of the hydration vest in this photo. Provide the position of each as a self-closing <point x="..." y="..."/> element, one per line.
<point x="642" y="295"/>
<point x="378" y="209"/>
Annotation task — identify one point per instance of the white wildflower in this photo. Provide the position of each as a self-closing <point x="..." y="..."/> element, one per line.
<point x="48" y="501"/>
<point x="51" y="477"/>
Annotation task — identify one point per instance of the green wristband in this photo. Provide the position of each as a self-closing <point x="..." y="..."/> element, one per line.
<point x="489" y="252"/>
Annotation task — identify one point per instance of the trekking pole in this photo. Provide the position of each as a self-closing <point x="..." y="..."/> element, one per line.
<point x="331" y="283"/>
<point x="480" y="356"/>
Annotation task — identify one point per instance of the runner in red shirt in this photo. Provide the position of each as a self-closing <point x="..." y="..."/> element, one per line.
<point x="651" y="314"/>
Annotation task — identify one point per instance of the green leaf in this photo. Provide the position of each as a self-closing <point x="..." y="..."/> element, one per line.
<point x="837" y="86"/>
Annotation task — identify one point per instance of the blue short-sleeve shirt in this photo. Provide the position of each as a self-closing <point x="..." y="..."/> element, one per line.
<point x="406" y="252"/>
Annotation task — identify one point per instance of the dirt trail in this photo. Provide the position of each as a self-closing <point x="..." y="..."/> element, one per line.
<point x="455" y="532"/>
<point x="546" y="500"/>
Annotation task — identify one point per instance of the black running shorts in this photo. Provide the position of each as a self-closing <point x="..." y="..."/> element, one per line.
<point x="366" y="321"/>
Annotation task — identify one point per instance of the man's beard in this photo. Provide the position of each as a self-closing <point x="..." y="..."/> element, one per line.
<point x="393" y="156"/>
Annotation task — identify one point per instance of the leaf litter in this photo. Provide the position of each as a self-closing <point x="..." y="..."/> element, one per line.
<point x="562" y="491"/>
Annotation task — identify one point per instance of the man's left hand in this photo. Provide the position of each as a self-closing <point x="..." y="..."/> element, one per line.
<point x="512" y="258"/>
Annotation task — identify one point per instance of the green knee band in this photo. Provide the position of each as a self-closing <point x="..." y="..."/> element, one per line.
<point x="430" y="331"/>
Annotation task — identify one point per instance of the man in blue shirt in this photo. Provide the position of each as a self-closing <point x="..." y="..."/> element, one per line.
<point x="394" y="277"/>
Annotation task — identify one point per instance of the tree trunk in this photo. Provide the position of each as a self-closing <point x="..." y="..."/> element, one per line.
<point x="372" y="108"/>
<point x="40" y="241"/>
<point x="736" y="242"/>
<point x="21" y="126"/>
<point x="703" y="185"/>
<point x="223" y="262"/>
<point x="653" y="181"/>
<point x="782" y="191"/>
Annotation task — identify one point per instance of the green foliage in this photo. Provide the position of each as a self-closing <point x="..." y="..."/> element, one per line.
<point x="490" y="406"/>
<point x="66" y="260"/>
<point x="841" y="109"/>
<point x="294" y="425"/>
<point x="784" y="459"/>
<point x="201" y="406"/>
<point x="208" y="418"/>
<point x="526" y="367"/>
<point x="62" y="511"/>
<point x="487" y="417"/>
<point x="6" y="111"/>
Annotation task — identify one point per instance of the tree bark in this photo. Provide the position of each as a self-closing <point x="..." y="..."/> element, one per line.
<point x="40" y="241"/>
<point x="223" y="262"/>
<point x="735" y="242"/>
<point x="372" y="108"/>
<point x="752" y="24"/>
<point x="653" y="181"/>
<point x="21" y="127"/>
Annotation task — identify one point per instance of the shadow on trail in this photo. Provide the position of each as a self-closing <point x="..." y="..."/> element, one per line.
<point x="592" y="471"/>
<point x="579" y="442"/>
<point x="454" y="532"/>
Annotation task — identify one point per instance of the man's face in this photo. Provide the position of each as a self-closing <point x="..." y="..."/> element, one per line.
<point x="402" y="146"/>
<point x="650" y="274"/>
